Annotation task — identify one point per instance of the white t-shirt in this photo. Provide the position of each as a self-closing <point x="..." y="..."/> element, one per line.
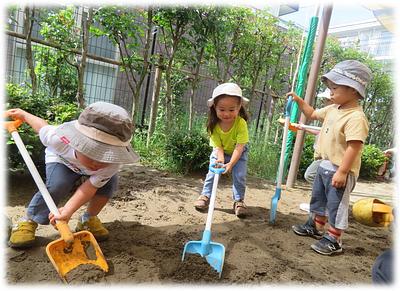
<point x="59" y="152"/>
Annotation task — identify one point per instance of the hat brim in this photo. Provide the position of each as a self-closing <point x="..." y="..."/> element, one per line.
<point x="210" y="102"/>
<point x="94" y="149"/>
<point x="343" y="80"/>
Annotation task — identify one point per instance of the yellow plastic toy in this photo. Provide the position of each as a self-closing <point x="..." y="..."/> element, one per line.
<point x="372" y="212"/>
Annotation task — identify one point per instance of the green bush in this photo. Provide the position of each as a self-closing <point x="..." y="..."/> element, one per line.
<point x="263" y="160"/>
<point x="54" y="110"/>
<point x="63" y="112"/>
<point x="187" y="151"/>
<point x="154" y="155"/>
<point x="372" y="159"/>
<point x="19" y="96"/>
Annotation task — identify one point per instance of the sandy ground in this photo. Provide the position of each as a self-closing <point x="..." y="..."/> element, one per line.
<point x="151" y="217"/>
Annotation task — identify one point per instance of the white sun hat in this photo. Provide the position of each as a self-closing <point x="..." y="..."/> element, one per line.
<point x="230" y="89"/>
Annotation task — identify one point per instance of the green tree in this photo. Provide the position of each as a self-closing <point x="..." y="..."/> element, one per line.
<point x="173" y="23"/>
<point x="225" y="37"/>
<point x="131" y="30"/>
<point x="55" y="67"/>
<point x="203" y="25"/>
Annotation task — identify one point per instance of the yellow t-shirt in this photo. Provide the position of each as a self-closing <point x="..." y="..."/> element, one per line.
<point x="238" y="134"/>
<point x="340" y="126"/>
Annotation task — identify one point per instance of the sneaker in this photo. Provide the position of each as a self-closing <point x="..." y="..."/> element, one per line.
<point x="307" y="229"/>
<point x="23" y="234"/>
<point x="240" y="209"/>
<point x="95" y="226"/>
<point x="202" y="202"/>
<point x="327" y="245"/>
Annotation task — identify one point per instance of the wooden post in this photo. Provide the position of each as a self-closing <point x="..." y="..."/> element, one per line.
<point x="310" y="93"/>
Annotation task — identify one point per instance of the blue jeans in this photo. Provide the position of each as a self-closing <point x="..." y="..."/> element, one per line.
<point x="328" y="199"/>
<point x="60" y="181"/>
<point x="239" y="172"/>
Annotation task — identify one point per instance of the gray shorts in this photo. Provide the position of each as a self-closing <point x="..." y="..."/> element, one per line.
<point x="311" y="171"/>
<point x="60" y="180"/>
<point x="328" y="199"/>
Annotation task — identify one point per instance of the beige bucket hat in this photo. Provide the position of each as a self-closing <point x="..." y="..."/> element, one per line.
<point x="102" y="132"/>
<point x="350" y="73"/>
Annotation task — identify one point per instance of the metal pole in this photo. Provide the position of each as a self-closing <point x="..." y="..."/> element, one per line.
<point x="310" y="92"/>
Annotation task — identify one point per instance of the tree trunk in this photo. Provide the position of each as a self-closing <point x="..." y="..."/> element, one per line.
<point x="276" y="135"/>
<point x="28" y="25"/>
<point x="168" y="79"/>
<point x="86" y="22"/>
<point x="270" y="104"/>
<point x="154" y="102"/>
<point x="230" y="56"/>
<point x="259" y="61"/>
<point x="253" y="88"/>
<point x="195" y="83"/>
<point x="136" y="90"/>
<point x="168" y="93"/>
<point x="270" y="113"/>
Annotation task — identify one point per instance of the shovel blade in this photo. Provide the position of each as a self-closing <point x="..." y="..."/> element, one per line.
<point x="84" y="250"/>
<point x="274" y="205"/>
<point x="212" y="251"/>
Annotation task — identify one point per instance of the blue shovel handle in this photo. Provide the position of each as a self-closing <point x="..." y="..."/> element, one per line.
<point x="217" y="170"/>
<point x="289" y="106"/>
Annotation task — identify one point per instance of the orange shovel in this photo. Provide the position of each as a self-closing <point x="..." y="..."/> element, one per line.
<point x="71" y="250"/>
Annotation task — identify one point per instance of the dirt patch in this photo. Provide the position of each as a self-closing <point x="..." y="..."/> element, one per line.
<point x="86" y="273"/>
<point x="151" y="217"/>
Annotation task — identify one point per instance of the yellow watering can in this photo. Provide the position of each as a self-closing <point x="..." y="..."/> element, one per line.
<point x="373" y="212"/>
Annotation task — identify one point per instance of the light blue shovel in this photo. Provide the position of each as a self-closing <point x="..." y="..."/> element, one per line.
<point x="212" y="251"/>
<point x="278" y="190"/>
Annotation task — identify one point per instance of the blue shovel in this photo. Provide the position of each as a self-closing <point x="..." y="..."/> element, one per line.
<point x="278" y="190"/>
<point x="212" y="251"/>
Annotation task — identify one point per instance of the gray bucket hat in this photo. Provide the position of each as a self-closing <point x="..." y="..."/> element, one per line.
<point x="350" y="73"/>
<point x="230" y="89"/>
<point x="102" y="132"/>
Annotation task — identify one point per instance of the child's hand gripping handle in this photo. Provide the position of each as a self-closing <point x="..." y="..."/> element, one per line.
<point x="62" y="226"/>
<point x="65" y="232"/>
<point x="12" y="126"/>
<point x="217" y="170"/>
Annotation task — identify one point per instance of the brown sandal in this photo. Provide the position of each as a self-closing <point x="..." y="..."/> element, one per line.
<point x="240" y="209"/>
<point x="202" y="202"/>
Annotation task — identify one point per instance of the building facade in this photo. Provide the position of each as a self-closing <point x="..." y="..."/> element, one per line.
<point x="369" y="36"/>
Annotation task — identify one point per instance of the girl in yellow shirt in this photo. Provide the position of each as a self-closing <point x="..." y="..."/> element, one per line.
<point x="227" y="126"/>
